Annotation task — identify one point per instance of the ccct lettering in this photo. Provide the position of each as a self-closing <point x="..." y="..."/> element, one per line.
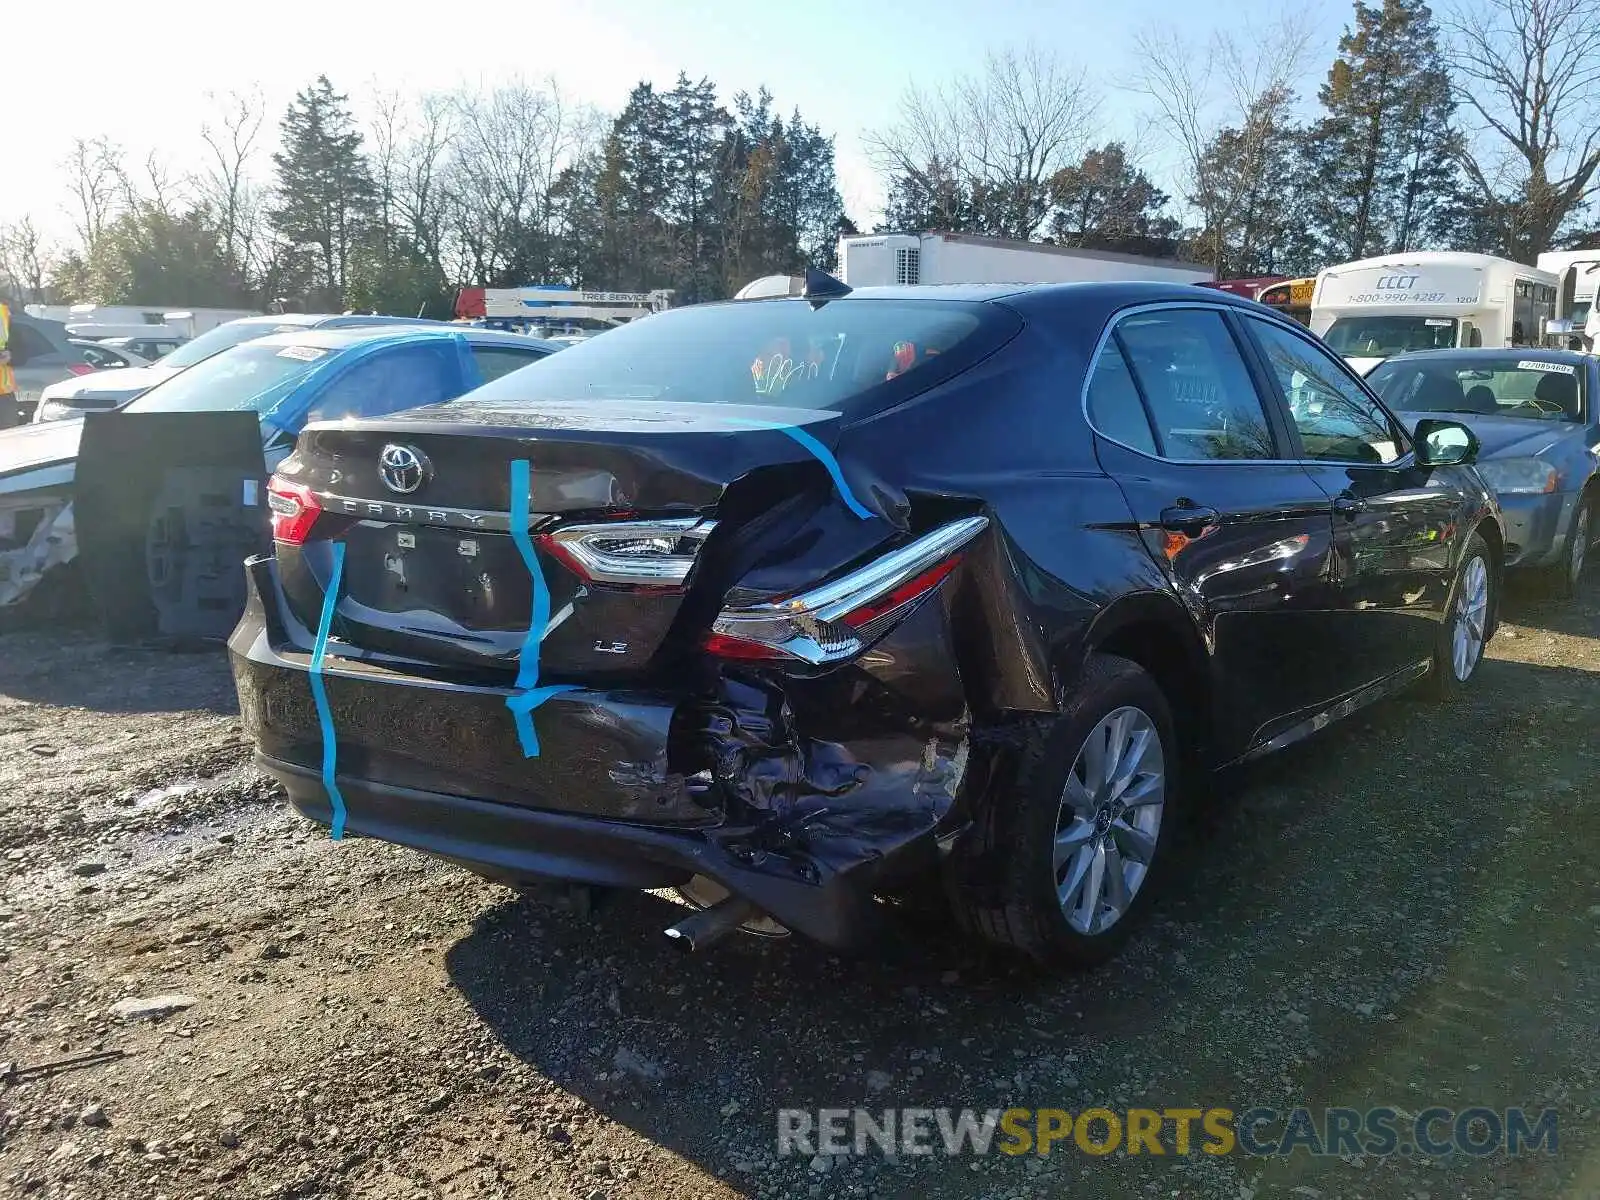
<point x="1396" y="282"/>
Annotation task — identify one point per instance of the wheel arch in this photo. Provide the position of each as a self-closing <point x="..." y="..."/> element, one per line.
<point x="1153" y="630"/>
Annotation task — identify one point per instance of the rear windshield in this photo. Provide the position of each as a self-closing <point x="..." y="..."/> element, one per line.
<point x="1522" y="384"/>
<point x="246" y="377"/>
<point x="851" y="356"/>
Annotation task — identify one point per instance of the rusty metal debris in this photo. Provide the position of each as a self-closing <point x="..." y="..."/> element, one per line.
<point x="17" y="1073"/>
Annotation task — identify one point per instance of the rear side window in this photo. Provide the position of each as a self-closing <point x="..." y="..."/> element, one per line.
<point x="1201" y="400"/>
<point x="852" y="355"/>
<point x="495" y="361"/>
<point x="387" y="382"/>
<point x="1115" y="408"/>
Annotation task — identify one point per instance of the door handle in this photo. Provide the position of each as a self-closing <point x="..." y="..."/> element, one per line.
<point x="1348" y="506"/>
<point x="1189" y="520"/>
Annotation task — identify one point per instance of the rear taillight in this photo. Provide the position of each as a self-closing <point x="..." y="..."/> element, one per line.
<point x="81" y="368"/>
<point x="295" y="510"/>
<point x="839" y="620"/>
<point x="650" y="554"/>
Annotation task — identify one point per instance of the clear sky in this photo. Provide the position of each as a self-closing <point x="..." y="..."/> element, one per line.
<point x="140" y="76"/>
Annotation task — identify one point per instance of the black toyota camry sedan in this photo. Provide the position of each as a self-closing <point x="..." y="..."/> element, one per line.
<point x="795" y="605"/>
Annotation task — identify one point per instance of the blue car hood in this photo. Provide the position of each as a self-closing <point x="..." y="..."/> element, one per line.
<point x="1509" y="437"/>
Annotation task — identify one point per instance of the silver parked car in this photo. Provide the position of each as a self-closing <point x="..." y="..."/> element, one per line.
<point x="41" y="356"/>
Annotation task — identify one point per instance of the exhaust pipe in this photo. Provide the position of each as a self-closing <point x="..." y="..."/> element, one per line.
<point x="707" y="926"/>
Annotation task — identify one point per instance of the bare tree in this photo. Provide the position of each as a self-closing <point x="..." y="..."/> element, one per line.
<point x="420" y="197"/>
<point x="232" y="136"/>
<point x="509" y="146"/>
<point x="1240" y="86"/>
<point x="156" y="192"/>
<point x="25" y="260"/>
<point x="999" y="136"/>
<point x="1530" y="71"/>
<point x="96" y="181"/>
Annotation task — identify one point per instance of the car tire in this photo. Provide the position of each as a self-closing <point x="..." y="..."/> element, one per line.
<point x="1566" y="577"/>
<point x="1469" y="612"/>
<point x="1022" y="877"/>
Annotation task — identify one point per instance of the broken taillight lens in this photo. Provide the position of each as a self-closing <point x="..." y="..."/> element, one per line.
<point x="836" y="621"/>
<point x="649" y="554"/>
<point x="295" y="510"/>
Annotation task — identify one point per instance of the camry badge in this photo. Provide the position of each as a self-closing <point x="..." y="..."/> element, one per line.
<point x="403" y="469"/>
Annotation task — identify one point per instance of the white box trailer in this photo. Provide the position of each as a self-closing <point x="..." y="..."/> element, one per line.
<point x="185" y="321"/>
<point x="1373" y="308"/>
<point x="1577" y="315"/>
<point x="934" y="258"/>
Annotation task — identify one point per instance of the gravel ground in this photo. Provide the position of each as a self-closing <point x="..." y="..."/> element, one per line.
<point x="1400" y="912"/>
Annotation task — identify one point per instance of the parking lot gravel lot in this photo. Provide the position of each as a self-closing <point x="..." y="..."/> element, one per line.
<point x="1403" y="911"/>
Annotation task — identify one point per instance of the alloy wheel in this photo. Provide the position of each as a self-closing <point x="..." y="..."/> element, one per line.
<point x="1110" y="819"/>
<point x="1471" y="618"/>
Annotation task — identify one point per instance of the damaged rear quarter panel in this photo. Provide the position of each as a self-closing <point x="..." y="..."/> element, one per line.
<point x="840" y="772"/>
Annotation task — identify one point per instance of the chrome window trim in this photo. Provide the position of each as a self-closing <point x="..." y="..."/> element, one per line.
<point x="1270" y="318"/>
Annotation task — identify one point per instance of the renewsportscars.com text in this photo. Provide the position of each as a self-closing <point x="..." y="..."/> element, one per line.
<point x="1262" y="1132"/>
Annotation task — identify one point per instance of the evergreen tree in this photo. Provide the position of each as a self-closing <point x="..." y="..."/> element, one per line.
<point x="1245" y="175"/>
<point x="325" y="194"/>
<point x="695" y="130"/>
<point x="935" y="198"/>
<point x="1107" y="203"/>
<point x="1382" y="159"/>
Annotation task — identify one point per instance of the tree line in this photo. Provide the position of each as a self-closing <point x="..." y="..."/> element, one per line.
<point x="1480" y="132"/>
<point x="1476" y="132"/>
<point x="500" y="187"/>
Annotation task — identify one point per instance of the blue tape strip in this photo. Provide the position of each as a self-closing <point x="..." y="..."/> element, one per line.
<point x="825" y="456"/>
<point x="529" y="695"/>
<point x="319" y="693"/>
<point x="817" y="451"/>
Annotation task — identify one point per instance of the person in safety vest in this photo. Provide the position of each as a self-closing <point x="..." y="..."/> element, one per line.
<point x="10" y="414"/>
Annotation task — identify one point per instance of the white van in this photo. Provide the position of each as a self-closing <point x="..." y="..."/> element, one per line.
<point x="1429" y="300"/>
<point x="1576" y="312"/>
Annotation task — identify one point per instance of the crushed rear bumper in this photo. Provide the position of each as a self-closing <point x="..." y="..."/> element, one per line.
<point x="807" y="830"/>
<point x="831" y="904"/>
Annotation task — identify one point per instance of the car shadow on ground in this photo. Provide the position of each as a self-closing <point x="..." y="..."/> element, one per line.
<point x="1533" y="604"/>
<point x="1346" y="894"/>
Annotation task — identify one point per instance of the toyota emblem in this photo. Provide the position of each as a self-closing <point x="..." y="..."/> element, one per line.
<point x="403" y="469"/>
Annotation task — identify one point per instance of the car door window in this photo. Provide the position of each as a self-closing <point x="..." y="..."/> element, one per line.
<point x="1115" y="408"/>
<point x="495" y="361"/>
<point x="390" y="380"/>
<point x="1196" y="388"/>
<point x="1336" y="419"/>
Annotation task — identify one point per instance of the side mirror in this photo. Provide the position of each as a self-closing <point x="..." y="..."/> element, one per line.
<point x="1444" y="443"/>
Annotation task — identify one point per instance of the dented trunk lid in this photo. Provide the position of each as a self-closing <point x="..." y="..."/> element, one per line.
<point x="434" y="574"/>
